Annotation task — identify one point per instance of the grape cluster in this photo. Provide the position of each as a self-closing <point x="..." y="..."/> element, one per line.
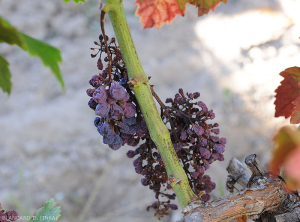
<point x="8" y="216"/>
<point x="120" y="121"/>
<point x="194" y="140"/>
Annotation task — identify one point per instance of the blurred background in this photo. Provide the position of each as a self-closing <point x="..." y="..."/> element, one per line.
<point x="49" y="145"/>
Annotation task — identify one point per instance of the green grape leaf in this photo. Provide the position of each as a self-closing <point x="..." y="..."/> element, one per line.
<point x="76" y="1"/>
<point x="47" y="213"/>
<point x="5" y="76"/>
<point x="158" y="12"/>
<point x="48" y="54"/>
<point x="10" y="34"/>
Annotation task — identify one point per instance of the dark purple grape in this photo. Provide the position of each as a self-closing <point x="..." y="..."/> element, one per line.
<point x="142" y="128"/>
<point x="99" y="64"/>
<point x="123" y="127"/>
<point x="136" y="161"/>
<point x="117" y="143"/>
<point x="202" y="106"/>
<point x="173" y="206"/>
<point x="189" y="131"/>
<point x="133" y="142"/>
<point x="129" y="121"/>
<point x="183" y="135"/>
<point x="92" y="104"/>
<point x="131" y="130"/>
<point x="220" y="148"/>
<point x="105" y="129"/>
<point x="102" y="109"/>
<point x="193" y="140"/>
<point x="177" y="147"/>
<point x="96" y="121"/>
<point x="221" y="157"/>
<point x="204" y="153"/>
<point x="207" y="132"/>
<point x="129" y="110"/>
<point x="196" y="95"/>
<point x="169" y="100"/>
<point x="95" y="81"/>
<point x="214" y="138"/>
<point x="215" y="131"/>
<point x="195" y="174"/>
<point x="100" y="95"/>
<point x="116" y="112"/>
<point x="118" y="92"/>
<point x="200" y="169"/>
<point x="90" y="92"/>
<point x="108" y="139"/>
<point x="138" y="168"/>
<point x="181" y="92"/>
<point x="198" y="129"/>
<point x="223" y="140"/>
<point x="206" y="164"/>
<point x="203" y="142"/>
<point x="144" y="182"/>
<point x="131" y="153"/>
<point x="123" y="82"/>
<point x="211" y="114"/>
<point x="205" y="197"/>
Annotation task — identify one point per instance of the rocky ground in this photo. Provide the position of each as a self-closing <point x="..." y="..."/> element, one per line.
<point x="49" y="145"/>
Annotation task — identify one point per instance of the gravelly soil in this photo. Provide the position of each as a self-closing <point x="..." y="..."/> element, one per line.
<point x="49" y="145"/>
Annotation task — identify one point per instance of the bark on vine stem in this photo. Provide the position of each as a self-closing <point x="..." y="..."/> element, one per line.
<point x="142" y="90"/>
<point x="263" y="199"/>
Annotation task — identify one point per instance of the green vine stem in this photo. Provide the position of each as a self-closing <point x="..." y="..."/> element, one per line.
<point x="141" y="87"/>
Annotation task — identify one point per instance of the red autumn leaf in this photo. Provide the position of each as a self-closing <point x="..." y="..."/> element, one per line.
<point x="204" y="6"/>
<point x="291" y="169"/>
<point x="295" y="117"/>
<point x="286" y="141"/>
<point x="287" y="92"/>
<point x="158" y="12"/>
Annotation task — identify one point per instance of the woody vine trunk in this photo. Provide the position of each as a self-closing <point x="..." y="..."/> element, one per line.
<point x="141" y="88"/>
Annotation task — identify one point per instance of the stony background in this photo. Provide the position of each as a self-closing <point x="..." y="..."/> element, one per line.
<point x="49" y="146"/>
